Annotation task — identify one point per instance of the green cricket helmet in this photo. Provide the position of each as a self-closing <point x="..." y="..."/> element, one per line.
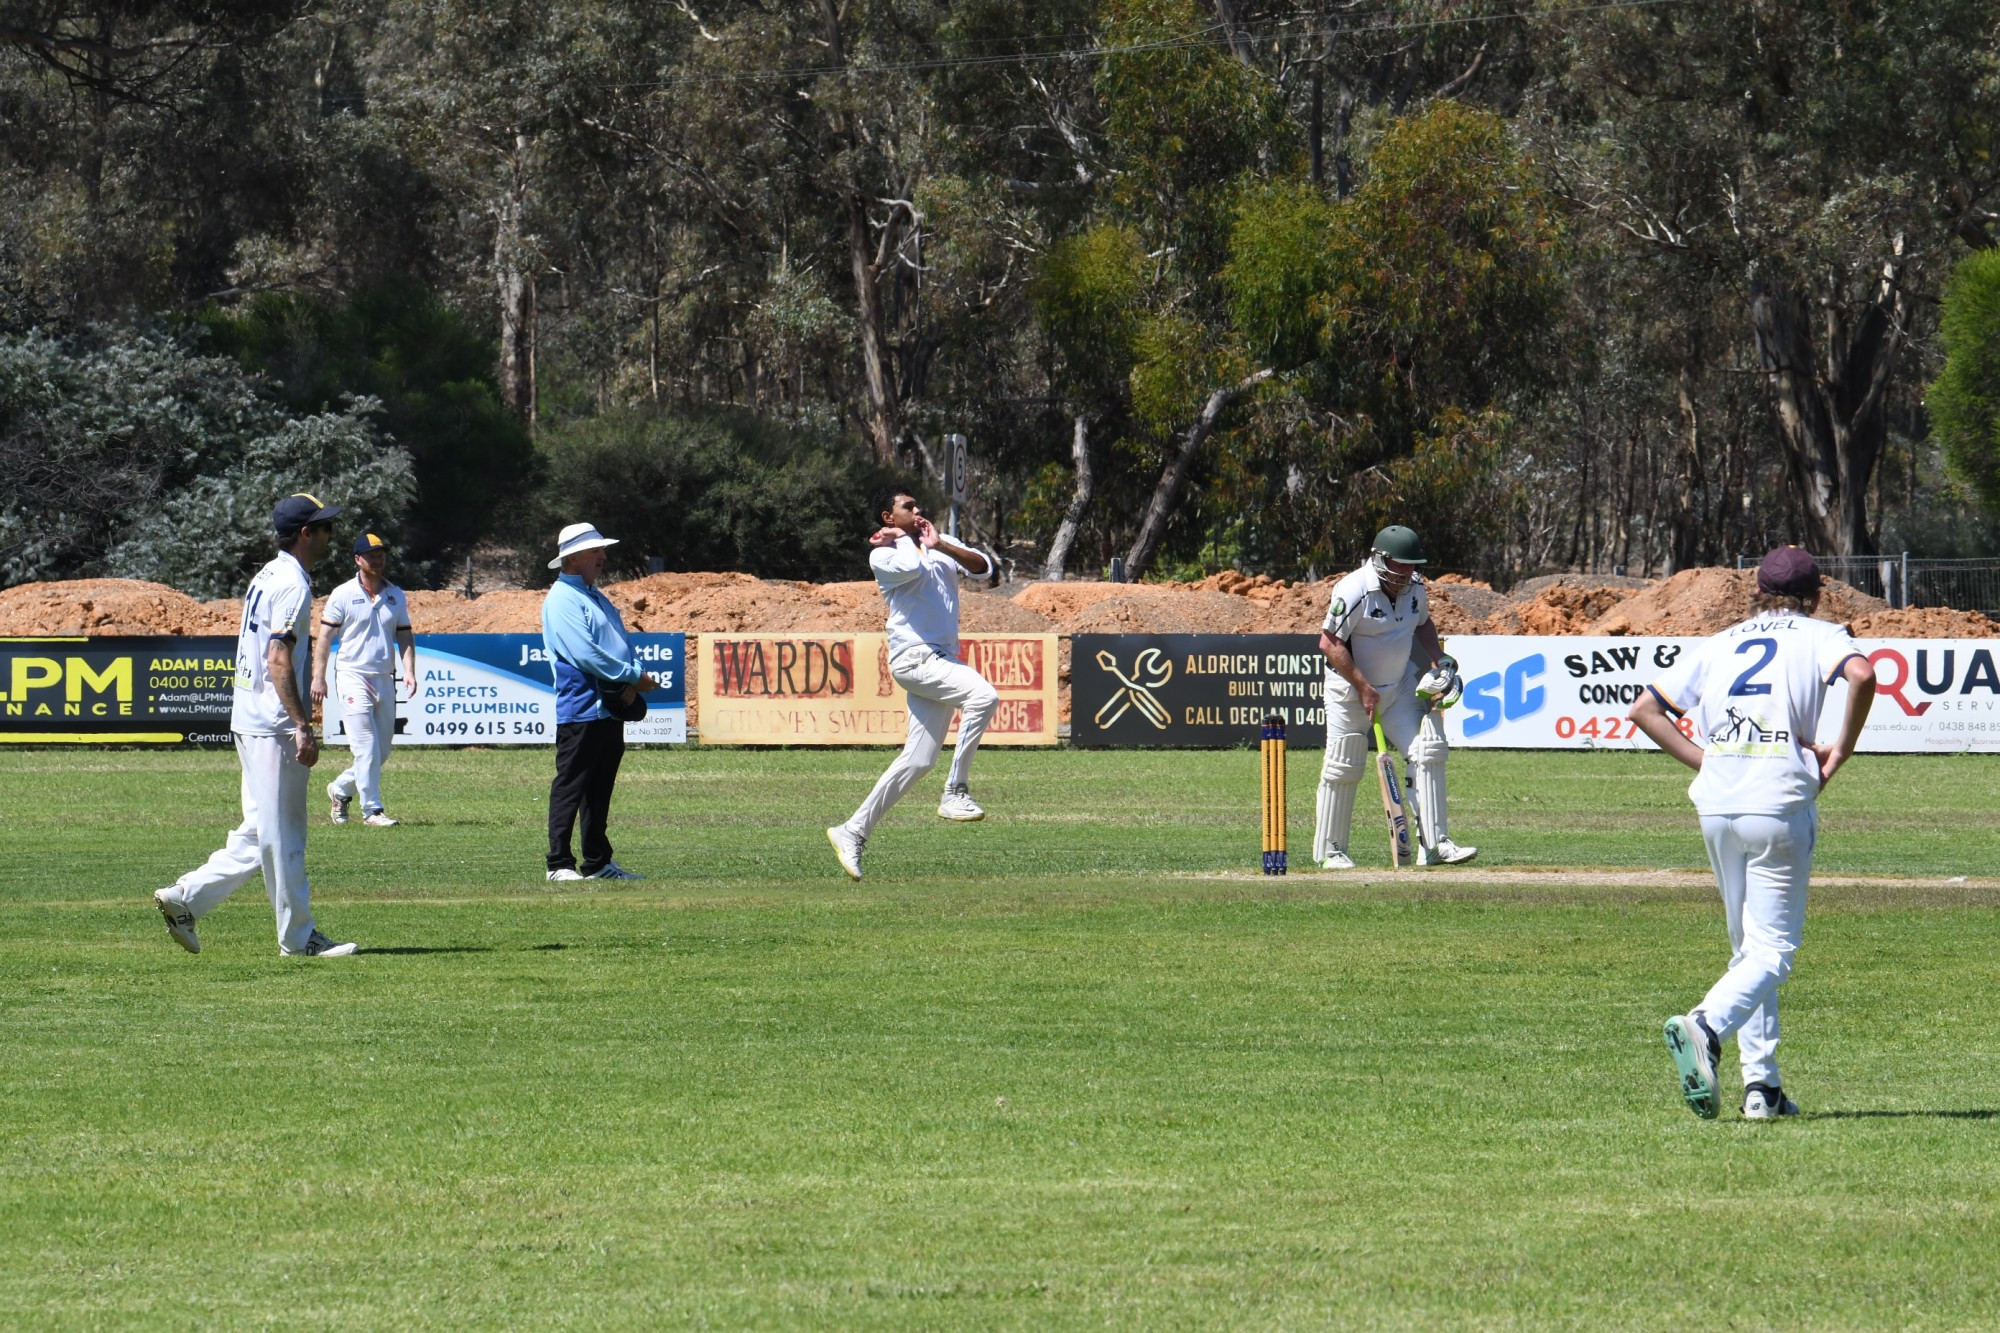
<point x="1397" y="543"/>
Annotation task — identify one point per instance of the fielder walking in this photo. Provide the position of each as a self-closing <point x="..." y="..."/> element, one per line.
<point x="1378" y="629"/>
<point x="589" y="655"/>
<point x="917" y="568"/>
<point x="271" y="722"/>
<point x="372" y="618"/>
<point x="1752" y="694"/>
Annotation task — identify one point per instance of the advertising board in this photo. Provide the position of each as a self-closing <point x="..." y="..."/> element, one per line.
<point x="835" y="689"/>
<point x="472" y="689"/>
<point x="1194" y="689"/>
<point x="1543" y="693"/>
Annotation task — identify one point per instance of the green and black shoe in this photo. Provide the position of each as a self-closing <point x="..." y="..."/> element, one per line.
<point x="1696" y="1051"/>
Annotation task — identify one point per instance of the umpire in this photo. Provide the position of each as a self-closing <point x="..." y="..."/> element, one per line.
<point x="592" y="661"/>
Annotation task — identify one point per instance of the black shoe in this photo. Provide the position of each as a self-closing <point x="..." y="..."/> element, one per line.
<point x="1763" y="1102"/>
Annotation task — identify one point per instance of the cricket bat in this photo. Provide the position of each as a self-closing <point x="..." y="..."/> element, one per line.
<point x="1392" y="801"/>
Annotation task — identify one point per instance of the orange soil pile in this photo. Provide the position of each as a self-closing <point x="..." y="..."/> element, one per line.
<point x="110" y="606"/>
<point x="1705" y="601"/>
<point x="1693" y="602"/>
<point x="1925" y="622"/>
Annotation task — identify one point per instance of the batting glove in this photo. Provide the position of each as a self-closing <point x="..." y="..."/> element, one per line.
<point x="1440" y="686"/>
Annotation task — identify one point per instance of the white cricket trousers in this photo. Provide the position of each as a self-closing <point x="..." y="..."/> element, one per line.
<point x="1762" y="864"/>
<point x="271" y="839"/>
<point x="937" y="687"/>
<point x="1407" y="724"/>
<point x="368" y="716"/>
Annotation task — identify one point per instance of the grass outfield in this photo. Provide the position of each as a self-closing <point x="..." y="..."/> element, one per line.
<point x="1074" y="1065"/>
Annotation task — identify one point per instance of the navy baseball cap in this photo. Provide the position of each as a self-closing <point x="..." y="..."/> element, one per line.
<point x="1788" y="571"/>
<point x="295" y="511"/>
<point x="368" y="543"/>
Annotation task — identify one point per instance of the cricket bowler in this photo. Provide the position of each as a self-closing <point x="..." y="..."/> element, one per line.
<point x="917" y="568"/>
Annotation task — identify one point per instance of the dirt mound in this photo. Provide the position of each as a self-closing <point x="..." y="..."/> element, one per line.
<point x="1695" y="602"/>
<point x="1554" y="608"/>
<point x="111" y="606"/>
<point x="1925" y="622"/>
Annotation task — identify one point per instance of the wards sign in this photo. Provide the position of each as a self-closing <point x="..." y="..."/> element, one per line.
<point x="69" y="686"/>
<point x="803" y="668"/>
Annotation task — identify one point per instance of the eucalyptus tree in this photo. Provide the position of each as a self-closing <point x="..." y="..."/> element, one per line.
<point x="1823" y="161"/>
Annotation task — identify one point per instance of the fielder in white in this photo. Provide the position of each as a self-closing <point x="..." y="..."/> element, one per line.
<point x="1378" y="629"/>
<point x="271" y="720"/>
<point x="1753" y="695"/>
<point x="917" y="569"/>
<point x="372" y="618"/>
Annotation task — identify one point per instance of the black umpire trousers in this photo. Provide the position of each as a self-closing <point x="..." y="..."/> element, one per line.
<point x="587" y="759"/>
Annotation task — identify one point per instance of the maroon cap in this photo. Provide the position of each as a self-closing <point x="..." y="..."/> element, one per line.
<point x="1788" y="571"/>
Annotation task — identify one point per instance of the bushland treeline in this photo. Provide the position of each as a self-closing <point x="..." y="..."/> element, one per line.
<point x="1646" y="283"/>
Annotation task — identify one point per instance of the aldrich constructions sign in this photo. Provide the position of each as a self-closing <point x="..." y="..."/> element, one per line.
<point x="1194" y="689"/>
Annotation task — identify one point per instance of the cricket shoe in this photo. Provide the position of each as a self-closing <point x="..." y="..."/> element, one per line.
<point x="612" y="870"/>
<point x="1763" y="1102"/>
<point x="847" y="846"/>
<point x="340" y="803"/>
<point x="958" y="804"/>
<point x="1696" y="1051"/>
<point x="319" y="945"/>
<point x="1445" y="853"/>
<point x="564" y="875"/>
<point x="1337" y="860"/>
<point x="180" y="921"/>
<point x="379" y="819"/>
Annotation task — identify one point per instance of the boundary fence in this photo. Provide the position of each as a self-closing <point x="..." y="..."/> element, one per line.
<point x="1901" y="581"/>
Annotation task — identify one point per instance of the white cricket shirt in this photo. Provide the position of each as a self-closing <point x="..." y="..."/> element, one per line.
<point x="1379" y="630"/>
<point x="277" y="606"/>
<point x="921" y="588"/>
<point x="1754" y="693"/>
<point x="367" y="626"/>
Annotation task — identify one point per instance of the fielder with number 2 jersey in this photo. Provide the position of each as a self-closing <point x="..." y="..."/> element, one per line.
<point x="1751" y="696"/>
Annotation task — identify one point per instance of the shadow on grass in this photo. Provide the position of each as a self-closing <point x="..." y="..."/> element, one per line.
<point x="408" y="950"/>
<point x="1902" y="1115"/>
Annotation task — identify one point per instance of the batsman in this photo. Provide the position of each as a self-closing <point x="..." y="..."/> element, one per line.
<point x="1378" y="632"/>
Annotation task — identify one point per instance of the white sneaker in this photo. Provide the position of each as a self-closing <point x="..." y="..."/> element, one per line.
<point x="1761" y="1102"/>
<point x="958" y="804"/>
<point x="1337" y="860"/>
<point x="1445" y="853"/>
<point x="612" y="870"/>
<point x="339" y="812"/>
<point x="564" y="875"/>
<point x="847" y="847"/>
<point x="180" y="921"/>
<point x="319" y="945"/>
<point x="377" y="819"/>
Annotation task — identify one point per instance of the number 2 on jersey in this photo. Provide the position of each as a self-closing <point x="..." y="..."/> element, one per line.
<point x="1744" y="685"/>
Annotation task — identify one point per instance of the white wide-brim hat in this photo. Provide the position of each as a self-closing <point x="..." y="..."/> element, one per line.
<point x="578" y="537"/>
